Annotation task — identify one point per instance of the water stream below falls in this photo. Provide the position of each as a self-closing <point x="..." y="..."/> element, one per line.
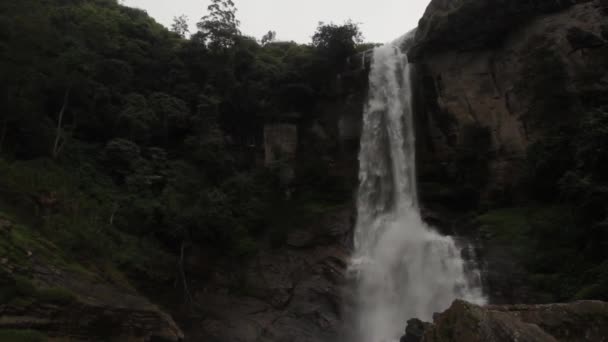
<point x="404" y="268"/>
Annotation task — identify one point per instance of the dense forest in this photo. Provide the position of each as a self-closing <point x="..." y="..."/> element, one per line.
<point x="114" y="124"/>
<point x="124" y="143"/>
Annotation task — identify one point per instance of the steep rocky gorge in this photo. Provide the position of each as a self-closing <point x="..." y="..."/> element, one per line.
<point x="490" y="76"/>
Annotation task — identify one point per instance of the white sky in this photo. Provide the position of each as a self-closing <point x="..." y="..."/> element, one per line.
<point x="380" y="20"/>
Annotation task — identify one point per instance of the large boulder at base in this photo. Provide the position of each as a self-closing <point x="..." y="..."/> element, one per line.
<point x="573" y="322"/>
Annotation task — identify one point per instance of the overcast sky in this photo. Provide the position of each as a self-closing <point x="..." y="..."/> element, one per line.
<point x="381" y="20"/>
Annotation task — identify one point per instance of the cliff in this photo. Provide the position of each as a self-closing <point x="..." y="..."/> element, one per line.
<point x="509" y="97"/>
<point x="494" y="76"/>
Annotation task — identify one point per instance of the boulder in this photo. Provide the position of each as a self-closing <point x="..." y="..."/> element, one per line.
<point x="573" y="322"/>
<point x="414" y="332"/>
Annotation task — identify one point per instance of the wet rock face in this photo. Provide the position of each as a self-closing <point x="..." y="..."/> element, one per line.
<point x="464" y="322"/>
<point x="489" y="85"/>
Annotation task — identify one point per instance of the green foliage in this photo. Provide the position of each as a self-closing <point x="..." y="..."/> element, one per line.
<point x="536" y="237"/>
<point x="19" y="290"/>
<point x="220" y="27"/>
<point x="268" y="37"/>
<point x="596" y="280"/>
<point x="55" y="295"/>
<point x="159" y="134"/>
<point x="180" y="26"/>
<point x="569" y="164"/>
<point x="337" y="42"/>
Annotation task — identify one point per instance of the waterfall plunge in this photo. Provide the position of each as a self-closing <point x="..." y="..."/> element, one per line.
<point x="404" y="268"/>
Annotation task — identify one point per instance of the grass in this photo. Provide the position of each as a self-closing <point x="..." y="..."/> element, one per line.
<point x="22" y="245"/>
<point x="597" y="287"/>
<point x="527" y="224"/>
<point x="10" y="335"/>
<point x="21" y="291"/>
<point x="505" y="224"/>
<point x="55" y="295"/>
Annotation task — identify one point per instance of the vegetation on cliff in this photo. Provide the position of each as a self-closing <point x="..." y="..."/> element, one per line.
<point x="124" y="144"/>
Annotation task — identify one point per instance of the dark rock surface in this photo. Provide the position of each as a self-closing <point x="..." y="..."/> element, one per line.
<point x="573" y="322"/>
<point x="414" y="332"/>
<point x="464" y="25"/>
<point x="488" y="83"/>
<point x="288" y="294"/>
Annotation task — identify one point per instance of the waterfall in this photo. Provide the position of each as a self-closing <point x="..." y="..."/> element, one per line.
<point x="404" y="268"/>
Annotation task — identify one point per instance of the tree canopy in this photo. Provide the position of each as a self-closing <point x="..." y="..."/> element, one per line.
<point x="156" y="130"/>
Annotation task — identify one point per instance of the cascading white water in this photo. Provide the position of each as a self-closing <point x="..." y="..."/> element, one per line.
<point x="404" y="268"/>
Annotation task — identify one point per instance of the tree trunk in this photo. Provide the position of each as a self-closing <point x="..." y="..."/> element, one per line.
<point x="57" y="145"/>
<point x="114" y="210"/>
<point x="187" y="295"/>
<point x="3" y="133"/>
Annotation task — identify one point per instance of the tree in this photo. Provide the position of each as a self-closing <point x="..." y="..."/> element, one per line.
<point x="180" y="26"/>
<point x="220" y="27"/>
<point x="269" y="37"/>
<point x="337" y="42"/>
<point x="58" y="135"/>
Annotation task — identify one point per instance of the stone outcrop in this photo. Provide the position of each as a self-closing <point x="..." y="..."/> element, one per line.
<point x="280" y="143"/>
<point x="414" y="332"/>
<point x="490" y="74"/>
<point x="574" y="322"/>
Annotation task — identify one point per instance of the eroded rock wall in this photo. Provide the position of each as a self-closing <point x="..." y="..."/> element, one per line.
<point x="491" y="73"/>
